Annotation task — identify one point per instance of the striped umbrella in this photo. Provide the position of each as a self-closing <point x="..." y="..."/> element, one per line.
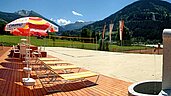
<point x="28" y="26"/>
<point x="33" y="32"/>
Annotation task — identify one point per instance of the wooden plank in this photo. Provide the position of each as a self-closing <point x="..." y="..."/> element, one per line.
<point x="11" y="77"/>
<point x="14" y="81"/>
<point x="79" y="92"/>
<point x="11" y="83"/>
<point x="6" y="86"/>
<point x="20" y="80"/>
<point x="2" y="81"/>
<point x="26" y="93"/>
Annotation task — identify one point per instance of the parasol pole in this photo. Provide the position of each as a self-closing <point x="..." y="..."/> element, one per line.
<point x="27" y="57"/>
<point x="44" y="42"/>
<point x="29" y="53"/>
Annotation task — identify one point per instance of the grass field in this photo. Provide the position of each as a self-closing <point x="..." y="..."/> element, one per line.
<point x="9" y="40"/>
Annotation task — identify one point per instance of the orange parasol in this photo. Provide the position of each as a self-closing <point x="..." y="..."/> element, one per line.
<point x="28" y="26"/>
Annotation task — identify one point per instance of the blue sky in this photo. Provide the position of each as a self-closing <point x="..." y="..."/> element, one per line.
<point x="67" y="11"/>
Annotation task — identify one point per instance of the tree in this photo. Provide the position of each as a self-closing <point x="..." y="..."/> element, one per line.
<point x="2" y="25"/>
<point x="127" y="35"/>
<point x="86" y="32"/>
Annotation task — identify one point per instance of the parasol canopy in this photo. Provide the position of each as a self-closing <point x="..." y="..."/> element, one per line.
<point x="28" y="26"/>
<point x="24" y="32"/>
<point x="29" y="23"/>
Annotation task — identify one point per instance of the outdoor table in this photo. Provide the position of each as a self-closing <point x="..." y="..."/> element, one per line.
<point x="32" y="48"/>
<point x="28" y="49"/>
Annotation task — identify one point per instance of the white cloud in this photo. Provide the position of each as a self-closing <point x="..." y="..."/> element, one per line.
<point x="76" y="13"/>
<point x="52" y="19"/>
<point x="63" y="21"/>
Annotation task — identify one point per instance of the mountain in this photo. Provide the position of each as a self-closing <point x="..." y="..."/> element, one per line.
<point x="24" y="13"/>
<point x="8" y="17"/>
<point x="76" y="25"/>
<point x="145" y="19"/>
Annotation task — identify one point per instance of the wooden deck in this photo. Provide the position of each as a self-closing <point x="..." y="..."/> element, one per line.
<point x="11" y="74"/>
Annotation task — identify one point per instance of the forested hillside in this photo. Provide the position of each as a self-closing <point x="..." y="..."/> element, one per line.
<point x="145" y="19"/>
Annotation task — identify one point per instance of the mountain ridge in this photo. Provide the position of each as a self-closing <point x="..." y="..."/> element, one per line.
<point x="76" y="25"/>
<point x="144" y="18"/>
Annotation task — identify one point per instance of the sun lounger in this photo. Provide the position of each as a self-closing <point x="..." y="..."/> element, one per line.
<point x="77" y="76"/>
<point x="70" y="77"/>
<point x="50" y="65"/>
<point x="63" y="67"/>
<point x="48" y="59"/>
<point x="55" y="62"/>
<point x="57" y="65"/>
<point x="45" y="59"/>
<point x="52" y="74"/>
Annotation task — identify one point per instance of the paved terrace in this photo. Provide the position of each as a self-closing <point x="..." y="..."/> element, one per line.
<point x="125" y="66"/>
<point x="11" y="75"/>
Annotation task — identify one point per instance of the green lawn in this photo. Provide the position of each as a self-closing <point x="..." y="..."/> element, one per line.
<point x="9" y="40"/>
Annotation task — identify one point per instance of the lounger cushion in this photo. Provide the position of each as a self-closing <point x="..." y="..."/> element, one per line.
<point x="46" y="59"/>
<point x="63" y="67"/>
<point x="79" y="75"/>
<point x="55" y="62"/>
